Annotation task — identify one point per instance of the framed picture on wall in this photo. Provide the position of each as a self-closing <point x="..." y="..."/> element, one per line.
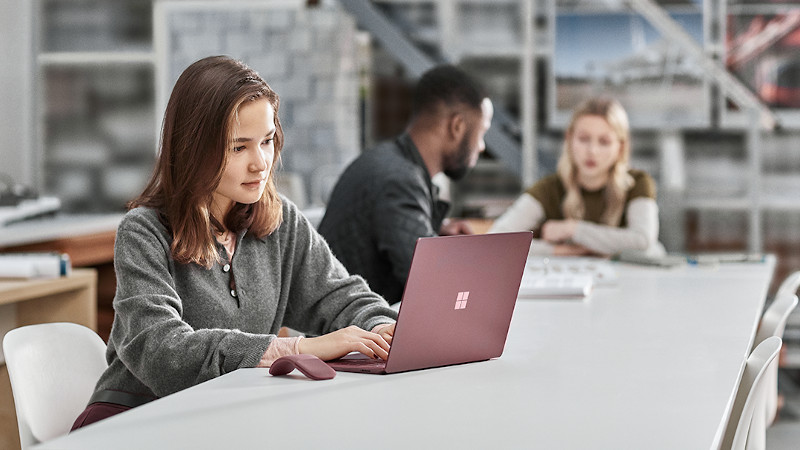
<point x="620" y="54"/>
<point x="762" y="49"/>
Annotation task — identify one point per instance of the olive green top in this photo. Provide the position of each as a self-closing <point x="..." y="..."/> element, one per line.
<point x="550" y="192"/>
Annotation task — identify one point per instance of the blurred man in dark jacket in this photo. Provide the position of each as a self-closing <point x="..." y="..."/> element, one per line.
<point x="385" y="200"/>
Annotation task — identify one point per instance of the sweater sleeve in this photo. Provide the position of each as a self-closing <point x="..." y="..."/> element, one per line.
<point x="280" y="346"/>
<point x="640" y="234"/>
<point x="525" y="214"/>
<point x="150" y="336"/>
<point x="323" y="296"/>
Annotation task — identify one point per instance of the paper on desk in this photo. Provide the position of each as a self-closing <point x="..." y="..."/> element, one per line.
<point x="601" y="270"/>
<point x="34" y="265"/>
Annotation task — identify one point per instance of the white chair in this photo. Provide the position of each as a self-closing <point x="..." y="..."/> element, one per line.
<point x="746" y="427"/>
<point x="789" y="285"/>
<point x="773" y="323"/>
<point x="53" y="369"/>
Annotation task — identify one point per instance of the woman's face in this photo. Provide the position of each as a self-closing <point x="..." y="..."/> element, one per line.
<point x="250" y="155"/>
<point x="595" y="148"/>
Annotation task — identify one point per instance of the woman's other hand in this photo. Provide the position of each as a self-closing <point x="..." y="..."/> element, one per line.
<point x="453" y="227"/>
<point x="558" y="231"/>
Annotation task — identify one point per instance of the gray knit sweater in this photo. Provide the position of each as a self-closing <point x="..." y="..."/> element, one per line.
<point x="177" y="325"/>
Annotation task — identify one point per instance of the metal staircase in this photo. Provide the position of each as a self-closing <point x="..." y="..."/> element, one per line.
<point x="500" y="141"/>
<point x="731" y="86"/>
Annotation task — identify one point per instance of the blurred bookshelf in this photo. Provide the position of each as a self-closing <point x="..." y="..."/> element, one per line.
<point x="94" y="112"/>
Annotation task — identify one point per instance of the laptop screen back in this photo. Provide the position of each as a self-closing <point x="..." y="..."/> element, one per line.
<point x="458" y="300"/>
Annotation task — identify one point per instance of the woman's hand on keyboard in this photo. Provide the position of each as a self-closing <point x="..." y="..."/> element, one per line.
<point x="386" y="330"/>
<point x="341" y="342"/>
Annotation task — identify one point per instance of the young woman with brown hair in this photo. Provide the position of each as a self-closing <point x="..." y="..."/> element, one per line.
<point x="211" y="261"/>
<point x="594" y="204"/>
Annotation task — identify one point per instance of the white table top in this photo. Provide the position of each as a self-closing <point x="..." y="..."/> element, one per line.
<point x="651" y="362"/>
<point x="59" y="227"/>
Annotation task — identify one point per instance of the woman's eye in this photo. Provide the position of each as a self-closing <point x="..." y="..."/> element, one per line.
<point x="267" y="141"/>
<point x="239" y="148"/>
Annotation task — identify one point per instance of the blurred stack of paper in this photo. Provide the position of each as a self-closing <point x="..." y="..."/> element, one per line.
<point x="601" y="270"/>
<point x="34" y="265"/>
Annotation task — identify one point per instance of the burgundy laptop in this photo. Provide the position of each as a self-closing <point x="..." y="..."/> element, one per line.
<point x="457" y="304"/>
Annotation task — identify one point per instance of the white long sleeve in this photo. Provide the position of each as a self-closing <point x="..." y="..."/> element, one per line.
<point x="640" y="234"/>
<point x="525" y="214"/>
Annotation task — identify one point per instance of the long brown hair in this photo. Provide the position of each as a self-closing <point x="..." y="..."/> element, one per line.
<point x="619" y="180"/>
<point x="197" y="130"/>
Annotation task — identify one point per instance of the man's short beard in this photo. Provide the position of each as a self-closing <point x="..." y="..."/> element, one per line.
<point x="456" y="164"/>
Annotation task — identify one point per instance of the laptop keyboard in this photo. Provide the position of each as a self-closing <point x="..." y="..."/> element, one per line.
<point x="360" y="362"/>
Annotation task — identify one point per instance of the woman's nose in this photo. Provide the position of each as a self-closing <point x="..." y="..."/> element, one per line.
<point x="259" y="162"/>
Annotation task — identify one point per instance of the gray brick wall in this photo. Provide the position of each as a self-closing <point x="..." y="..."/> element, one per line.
<point x="308" y="55"/>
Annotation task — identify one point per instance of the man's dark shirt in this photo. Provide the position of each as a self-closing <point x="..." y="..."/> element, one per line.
<point x="383" y="202"/>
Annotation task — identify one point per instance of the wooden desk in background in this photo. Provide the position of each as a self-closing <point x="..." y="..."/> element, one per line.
<point x="88" y="239"/>
<point x="66" y="299"/>
<point x="26" y="302"/>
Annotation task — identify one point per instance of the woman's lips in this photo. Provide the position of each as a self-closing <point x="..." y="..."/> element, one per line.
<point x="253" y="184"/>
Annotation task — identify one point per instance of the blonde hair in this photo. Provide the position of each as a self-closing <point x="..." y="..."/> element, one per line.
<point x="619" y="180"/>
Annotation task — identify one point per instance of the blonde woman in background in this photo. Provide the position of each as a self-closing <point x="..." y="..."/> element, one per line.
<point x="594" y="204"/>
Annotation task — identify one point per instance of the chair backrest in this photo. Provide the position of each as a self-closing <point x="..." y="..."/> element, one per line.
<point x="789" y="285"/>
<point x="53" y="369"/>
<point x="746" y="424"/>
<point x="773" y="323"/>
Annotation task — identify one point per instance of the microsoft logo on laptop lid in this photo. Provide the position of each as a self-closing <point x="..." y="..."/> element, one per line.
<point x="461" y="300"/>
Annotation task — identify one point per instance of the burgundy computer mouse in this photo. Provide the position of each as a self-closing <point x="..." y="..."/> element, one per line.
<point x="309" y="365"/>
